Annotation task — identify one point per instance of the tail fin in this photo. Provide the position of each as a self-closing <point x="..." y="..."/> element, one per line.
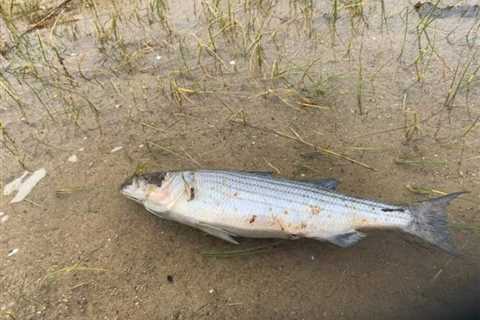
<point x="430" y="221"/>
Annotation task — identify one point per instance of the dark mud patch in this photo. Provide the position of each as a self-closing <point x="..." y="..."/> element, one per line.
<point x="428" y="9"/>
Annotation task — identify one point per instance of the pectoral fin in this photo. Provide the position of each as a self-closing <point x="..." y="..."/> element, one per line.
<point x="347" y="239"/>
<point x="217" y="232"/>
<point x="159" y="213"/>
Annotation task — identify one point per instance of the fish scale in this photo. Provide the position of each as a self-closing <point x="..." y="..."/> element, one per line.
<point x="230" y="201"/>
<point x="290" y="192"/>
<point x="296" y="188"/>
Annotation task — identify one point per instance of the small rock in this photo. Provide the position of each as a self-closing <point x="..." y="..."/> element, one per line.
<point x="4" y="219"/>
<point x="73" y="158"/>
<point x="116" y="149"/>
<point x="170" y="278"/>
<point x="12" y="252"/>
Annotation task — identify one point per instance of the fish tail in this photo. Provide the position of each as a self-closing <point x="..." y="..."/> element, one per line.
<point x="430" y="221"/>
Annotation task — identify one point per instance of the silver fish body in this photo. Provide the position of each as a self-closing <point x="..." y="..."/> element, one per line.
<point x="229" y="204"/>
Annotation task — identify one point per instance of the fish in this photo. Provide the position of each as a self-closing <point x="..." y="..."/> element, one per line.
<point x="245" y="204"/>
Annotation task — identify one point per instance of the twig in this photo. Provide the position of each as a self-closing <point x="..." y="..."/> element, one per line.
<point x="470" y="128"/>
<point x="33" y="203"/>
<point x="175" y="153"/>
<point x="151" y="127"/>
<point x="191" y="158"/>
<point x="433" y="192"/>
<point x="271" y="166"/>
<point x="319" y="149"/>
<point x="425" y="120"/>
<point x="323" y="150"/>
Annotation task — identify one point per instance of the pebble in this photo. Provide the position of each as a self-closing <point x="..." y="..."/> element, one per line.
<point x="116" y="149"/>
<point x="4" y="219"/>
<point x="73" y="158"/>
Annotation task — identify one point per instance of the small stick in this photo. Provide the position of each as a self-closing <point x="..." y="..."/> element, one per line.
<point x="174" y="153"/>
<point x="327" y="151"/>
<point x="152" y="127"/>
<point x="309" y="105"/>
<point x="191" y="158"/>
<point x="470" y="128"/>
<point x="271" y="166"/>
<point x="432" y="192"/>
<point x="33" y="203"/>
<point x="425" y="120"/>
<point x="316" y="148"/>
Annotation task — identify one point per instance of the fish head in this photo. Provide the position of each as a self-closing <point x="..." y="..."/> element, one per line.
<point x="157" y="191"/>
<point x="139" y="187"/>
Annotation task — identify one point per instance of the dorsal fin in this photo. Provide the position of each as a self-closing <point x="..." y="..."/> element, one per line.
<point x="261" y="173"/>
<point x="324" y="183"/>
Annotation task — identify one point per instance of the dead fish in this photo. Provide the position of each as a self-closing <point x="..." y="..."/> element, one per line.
<point x="229" y="204"/>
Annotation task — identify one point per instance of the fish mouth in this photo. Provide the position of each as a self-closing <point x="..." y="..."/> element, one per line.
<point x="131" y="195"/>
<point x="131" y="188"/>
<point x="129" y="181"/>
<point x="127" y="195"/>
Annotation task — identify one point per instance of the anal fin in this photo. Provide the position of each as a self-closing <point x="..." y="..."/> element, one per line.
<point x="217" y="232"/>
<point x="347" y="239"/>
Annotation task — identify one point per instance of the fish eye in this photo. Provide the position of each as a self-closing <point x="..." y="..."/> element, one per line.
<point x="155" y="178"/>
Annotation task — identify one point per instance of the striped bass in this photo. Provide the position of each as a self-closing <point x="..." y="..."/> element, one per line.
<point x="229" y="204"/>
